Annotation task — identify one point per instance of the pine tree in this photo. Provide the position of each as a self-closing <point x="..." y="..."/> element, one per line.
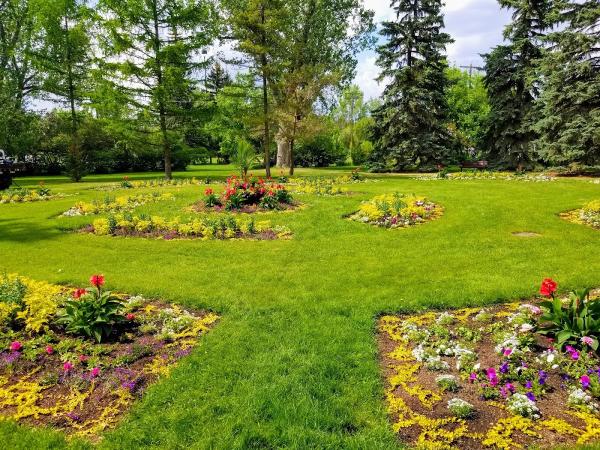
<point x="570" y="103"/>
<point x="411" y="126"/>
<point x="510" y="80"/>
<point x="217" y="79"/>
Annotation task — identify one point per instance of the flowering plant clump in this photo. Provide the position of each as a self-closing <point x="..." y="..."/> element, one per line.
<point x="205" y="227"/>
<point x="487" y="175"/>
<point x="321" y="186"/>
<point x="67" y="380"/>
<point x="26" y="195"/>
<point x="575" y="322"/>
<point x="114" y="205"/>
<point x="460" y="408"/>
<point x="526" y="389"/>
<point x="396" y="211"/>
<point x="587" y="215"/>
<point x="248" y="195"/>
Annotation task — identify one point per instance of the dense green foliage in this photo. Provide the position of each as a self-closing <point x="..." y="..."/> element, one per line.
<point x="569" y="119"/>
<point x="411" y="124"/>
<point x="293" y="362"/>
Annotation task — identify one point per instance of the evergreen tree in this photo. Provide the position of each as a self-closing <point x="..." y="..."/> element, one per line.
<point x="570" y="103"/>
<point x="510" y="80"/>
<point x="217" y="79"/>
<point x="411" y="126"/>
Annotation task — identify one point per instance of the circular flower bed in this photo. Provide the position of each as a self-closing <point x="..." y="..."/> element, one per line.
<point x="396" y="211"/>
<point x="76" y="359"/>
<point x="501" y="377"/>
<point x="114" y="205"/>
<point x="205" y="227"/>
<point x="127" y="183"/>
<point x="248" y="196"/>
<point x="588" y="215"/>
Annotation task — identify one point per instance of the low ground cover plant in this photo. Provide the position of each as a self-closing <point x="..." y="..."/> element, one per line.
<point x="113" y="205"/>
<point x="76" y="359"/>
<point x="587" y="215"/>
<point x="248" y="195"/>
<point x="487" y="175"/>
<point x="203" y="227"/>
<point x="26" y="195"/>
<point x="396" y="211"/>
<point x="326" y="186"/>
<point x="128" y="183"/>
<point x="512" y="376"/>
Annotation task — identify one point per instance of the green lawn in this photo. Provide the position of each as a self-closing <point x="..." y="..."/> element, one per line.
<point x="293" y="362"/>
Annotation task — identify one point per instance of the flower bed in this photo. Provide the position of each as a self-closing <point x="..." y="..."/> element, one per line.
<point x="248" y="196"/>
<point x="205" y="227"/>
<point x="396" y="211"/>
<point x="115" y="205"/>
<point x="158" y="183"/>
<point x="501" y="377"/>
<point x="325" y="186"/>
<point x="588" y="215"/>
<point x="487" y="175"/>
<point x="77" y="359"/>
<point x="25" y="195"/>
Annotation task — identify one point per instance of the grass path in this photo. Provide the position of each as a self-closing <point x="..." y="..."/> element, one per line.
<point x="293" y="362"/>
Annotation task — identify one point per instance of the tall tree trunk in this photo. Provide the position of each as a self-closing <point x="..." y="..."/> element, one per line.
<point x="74" y="150"/>
<point x="263" y="62"/>
<point x="283" y="152"/>
<point x="162" y="113"/>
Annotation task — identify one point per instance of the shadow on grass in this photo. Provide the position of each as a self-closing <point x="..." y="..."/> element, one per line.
<point x="25" y="231"/>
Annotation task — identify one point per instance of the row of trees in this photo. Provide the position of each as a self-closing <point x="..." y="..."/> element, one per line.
<point x="136" y="66"/>
<point x="543" y="87"/>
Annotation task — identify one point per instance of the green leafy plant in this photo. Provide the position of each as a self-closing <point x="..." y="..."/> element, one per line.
<point x="574" y="322"/>
<point x="245" y="157"/>
<point x="92" y="312"/>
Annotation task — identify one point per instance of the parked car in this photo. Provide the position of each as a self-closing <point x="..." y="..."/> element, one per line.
<point x="8" y="168"/>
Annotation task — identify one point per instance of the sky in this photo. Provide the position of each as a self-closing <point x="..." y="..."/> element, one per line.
<point x="475" y="25"/>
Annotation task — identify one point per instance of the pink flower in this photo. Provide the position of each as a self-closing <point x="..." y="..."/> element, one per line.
<point x="507" y="351"/>
<point x="95" y="372"/>
<point x="67" y="366"/>
<point x="585" y="381"/>
<point x="587" y="340"/>
<point x="575" y="355"/>
<point x="473" y="377"/>
<point x="49" y="349"/>
<point x="130" y="316"/>
<point x="535" y="310"/>
<point x="492" y="376"/>
<point x="15" y="346"/>
<point x="83" y="358"/>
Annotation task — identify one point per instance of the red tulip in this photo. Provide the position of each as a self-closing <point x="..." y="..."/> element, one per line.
<point x="130" y="316"/>
<point x="78" y="293"/>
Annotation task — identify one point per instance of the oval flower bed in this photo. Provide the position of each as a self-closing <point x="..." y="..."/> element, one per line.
<point x="127" y="183"/>
<point x="76" y="359"/>
<point x="205" y="227"/>
<point x="588" y="215"/>
<point x="396" y="211"/>
<point x="25" y="195"/>
<point x="114" y="205"/>
<point x="501" y="377"/>
<point x="247" y="196"/>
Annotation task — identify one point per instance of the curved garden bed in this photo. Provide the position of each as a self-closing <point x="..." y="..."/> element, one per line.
<point x="504" y="377"/>
<point x="587" y="215"/>
<point x="76" y="359"/>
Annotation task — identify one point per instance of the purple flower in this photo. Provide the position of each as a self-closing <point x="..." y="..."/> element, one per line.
<point x="492" y="376"/>
<point x="528" y="384"/>
<point x="585" y="382"/>
<point x="504" y="367"/>
<point x="530" y="396"/>
<point x="542" y="377"/>
<point x="510" y="387"/>
<point x="473" y="377"/>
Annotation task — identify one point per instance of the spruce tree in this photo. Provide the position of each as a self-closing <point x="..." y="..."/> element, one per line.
<point x="217" y="79"/>
<point x="411" y="125"/>
<point x="510" y="80"/>
<point x="570" y="103"/>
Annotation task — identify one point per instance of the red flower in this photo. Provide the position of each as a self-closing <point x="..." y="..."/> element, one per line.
<point x="49" y="349"/>
<point x="97" y="280"/>
<point x="548" y="287"/>
<point x="208" y="191"/>
<point x="78" y="293"/>
<point x="130" y="316"/>
<point x="126" y="178"/>
<point x="83" y="358"/>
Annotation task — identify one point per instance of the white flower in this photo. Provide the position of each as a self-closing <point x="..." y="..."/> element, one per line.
<point x="526" y="327"/>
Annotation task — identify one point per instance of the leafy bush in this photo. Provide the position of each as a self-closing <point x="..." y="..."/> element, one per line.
<point x="92" y="312"/>
<point x="249" y="192"/>
<point x="569" y="323"/>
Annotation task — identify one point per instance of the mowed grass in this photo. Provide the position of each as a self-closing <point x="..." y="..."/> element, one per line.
<point x="293" y="362"/>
